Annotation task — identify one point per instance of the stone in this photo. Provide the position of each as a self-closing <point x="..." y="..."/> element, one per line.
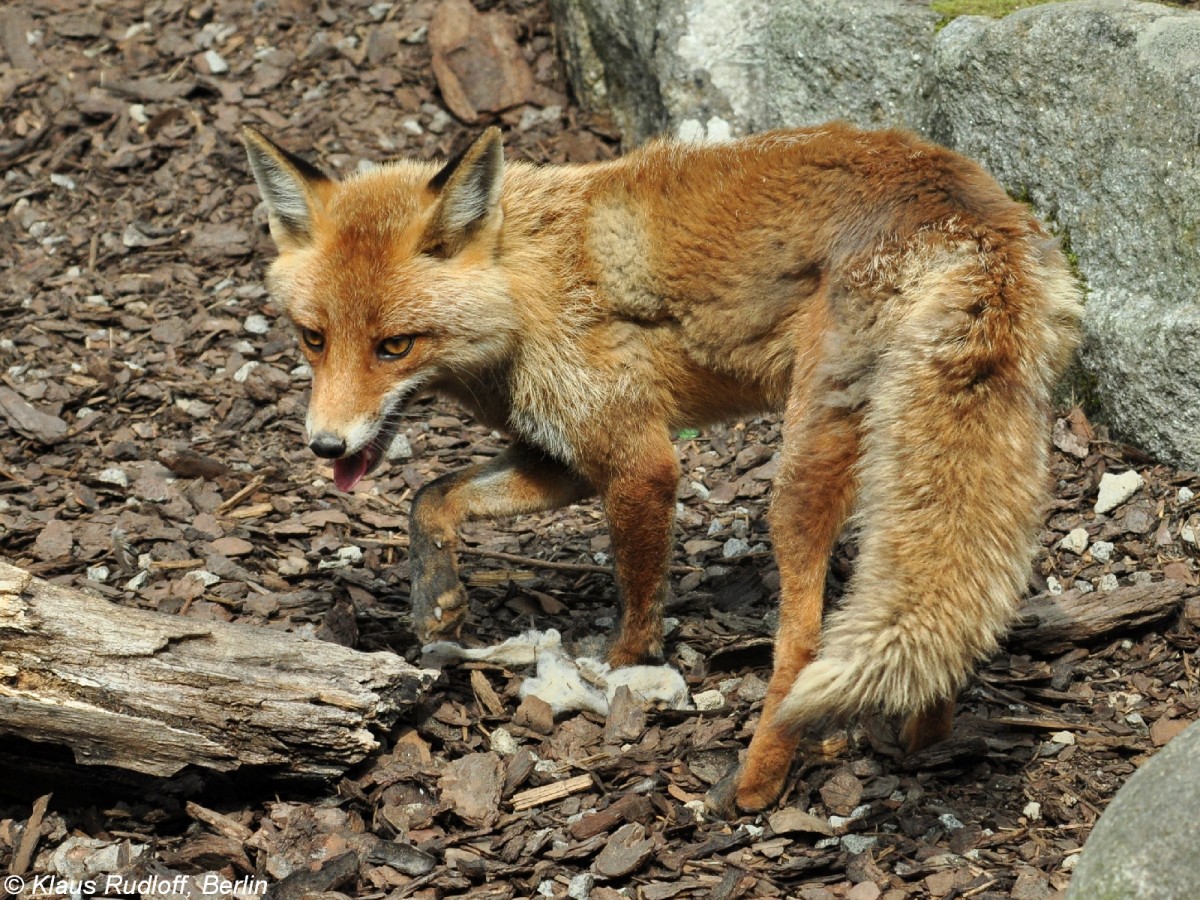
<point x="1076" y="541"/>
<point x="1102" y="551"/>
<point x="1116" y="489"/>
<point x="1019" y="96"/>
<point x="1145" y="845"/>
<point x="720" y="67"/>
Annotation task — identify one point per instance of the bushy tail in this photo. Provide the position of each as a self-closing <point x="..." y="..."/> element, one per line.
<point x="952" y="480"/>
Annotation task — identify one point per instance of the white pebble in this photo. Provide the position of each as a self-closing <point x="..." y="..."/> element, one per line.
<point x="98" y="573"/>
<point x="1053" y="586"/>
<point x="66" y="181"/>
<point x="734" y="547"/>
<point x="114" y="476"/>
<point x="1084" y="587"/>
<point x="257" y="324"/>
<point x="580" y="887"/>
<point x="688" y="655"/>
<point x="858" y="843"/>
<point x="205" y="577"/>
<point x="503" y="742"/>
<point x="950" y="822"/>
<point x="1116" y="489"/>
<point x="1107" y="583"/>
<point x="215" y="62"/>
<point x="1032" y="810"/>
<point x="1102" y="551"/>
<point x="1186" y="494"/>
<point x="707" y="700"/>
<point x="1063" y="737"/>
<point x="1076" y="541"/>
<point x="243" y="373"/>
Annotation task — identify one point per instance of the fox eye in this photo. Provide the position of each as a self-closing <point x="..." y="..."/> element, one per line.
<point x="395" y="347"/>
<point x="312" y="339"/>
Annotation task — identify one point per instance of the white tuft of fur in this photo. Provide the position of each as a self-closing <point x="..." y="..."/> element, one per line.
<point x="567" y="684"/>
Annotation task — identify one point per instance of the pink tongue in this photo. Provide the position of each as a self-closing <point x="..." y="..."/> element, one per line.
<point x="348" y="471"/>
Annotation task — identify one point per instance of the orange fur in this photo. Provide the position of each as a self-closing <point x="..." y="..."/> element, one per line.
<point x="908" y="317"/>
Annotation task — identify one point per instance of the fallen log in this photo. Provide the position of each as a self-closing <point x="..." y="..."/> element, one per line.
<point x="154" y="693"/>
<point x="1053" y="624"/>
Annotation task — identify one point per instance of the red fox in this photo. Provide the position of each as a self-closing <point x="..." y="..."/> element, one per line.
<point x="907" y="318"/>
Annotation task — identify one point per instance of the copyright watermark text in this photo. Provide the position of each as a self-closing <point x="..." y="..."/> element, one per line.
<point x="150" y="885"/>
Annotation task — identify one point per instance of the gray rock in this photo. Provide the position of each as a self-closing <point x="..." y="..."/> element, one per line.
<point x="709" y="68"/>
<point x="1146" y="844"/>
<point x="1116" y="489"/>
<point x="1088" y="109"/>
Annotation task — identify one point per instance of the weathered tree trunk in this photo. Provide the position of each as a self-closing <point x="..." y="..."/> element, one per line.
<point x="1052" y="624"/>
<point x="154" y="693"/>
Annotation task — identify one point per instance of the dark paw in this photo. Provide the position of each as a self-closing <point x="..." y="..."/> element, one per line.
<point x="629" y="653"/>
<point x="442" y="617"/>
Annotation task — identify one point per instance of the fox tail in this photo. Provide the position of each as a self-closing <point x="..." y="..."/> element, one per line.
<point x="953" y="473"/>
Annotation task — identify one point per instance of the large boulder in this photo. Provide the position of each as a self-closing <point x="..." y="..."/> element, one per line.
<point x="1146" y="845"/>
<point x="704" y="67"/>
<point x="1087" y="109"/>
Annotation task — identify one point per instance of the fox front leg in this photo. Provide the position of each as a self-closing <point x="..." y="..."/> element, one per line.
<point x="639" y="500"/>
<point x="517" y="481"/>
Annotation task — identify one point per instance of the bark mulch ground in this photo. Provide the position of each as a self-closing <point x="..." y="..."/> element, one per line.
<point x="151" y="415"/>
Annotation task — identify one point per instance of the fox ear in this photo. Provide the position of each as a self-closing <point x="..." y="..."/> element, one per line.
<point x="288" y="187"/>
<point x="470" y="194"/>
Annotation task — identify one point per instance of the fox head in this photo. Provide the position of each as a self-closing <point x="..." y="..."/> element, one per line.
<point x="389" y="279"/>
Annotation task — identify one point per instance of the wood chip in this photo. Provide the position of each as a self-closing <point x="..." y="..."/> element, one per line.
<point x="792" y="820"/>
<point x="548" y="793"/>
<point x="629" y="808"/>
<point x="29" y="837"/>
<point x="626" y="851"/>
<point x="220" y="823"/>
<point x="471" y="785"/>
<point x="486" y="694"/>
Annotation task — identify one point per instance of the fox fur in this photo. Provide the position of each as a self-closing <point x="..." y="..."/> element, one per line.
<point x="907" y="318"/>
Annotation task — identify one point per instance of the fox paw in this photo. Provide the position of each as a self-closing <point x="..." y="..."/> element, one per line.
<point x="626" y="653"/>
<point x="740" y="791"/>
<point x="442" y="618"/>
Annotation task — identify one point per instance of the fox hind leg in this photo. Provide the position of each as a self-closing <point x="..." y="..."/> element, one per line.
<point x="814" y="493"/>
<point x="930" y="726"/>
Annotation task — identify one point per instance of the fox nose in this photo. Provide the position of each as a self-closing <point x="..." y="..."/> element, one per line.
<point x="327" y="445"/>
